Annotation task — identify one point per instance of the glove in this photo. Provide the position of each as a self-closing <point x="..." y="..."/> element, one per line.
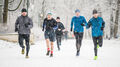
<point x="82" y="24"/>
<point x="102" y="28"/>
<point x="43" y="29"/>
<point x="71" y="29"/>
<point x="16" y="29"/>
<point x="27" y="24"/>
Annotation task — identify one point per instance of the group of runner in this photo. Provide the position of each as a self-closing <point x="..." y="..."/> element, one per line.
<point x="53" y="30"/>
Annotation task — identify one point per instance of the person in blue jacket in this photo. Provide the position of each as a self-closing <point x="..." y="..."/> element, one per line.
<point x="97" y="25"/>
<point x="78" y="22"/>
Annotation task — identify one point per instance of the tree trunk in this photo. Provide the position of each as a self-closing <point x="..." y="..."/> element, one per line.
<point x="116" y="19"/>
<point x="5" y="14"/>
<point x="1" y="13"/>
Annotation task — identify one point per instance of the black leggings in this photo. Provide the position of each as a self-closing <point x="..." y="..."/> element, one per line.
<point x="97" y="40"/>
<point x="58" y="38"/>
<point x="79" y="37"/>
<point x="21" y="38"/>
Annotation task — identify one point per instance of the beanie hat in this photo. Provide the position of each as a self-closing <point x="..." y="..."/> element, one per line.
<point x="23" y="10"/>
<point x="77" y="10"/>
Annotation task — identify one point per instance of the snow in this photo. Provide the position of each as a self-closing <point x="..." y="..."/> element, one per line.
<point x="108" y="55"/>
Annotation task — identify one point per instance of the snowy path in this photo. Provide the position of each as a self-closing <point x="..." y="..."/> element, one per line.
<point x="109" y="55"/>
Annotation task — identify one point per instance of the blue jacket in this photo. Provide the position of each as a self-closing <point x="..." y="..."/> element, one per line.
<point x="77" y="21"/>
<point x="96" y="25"/>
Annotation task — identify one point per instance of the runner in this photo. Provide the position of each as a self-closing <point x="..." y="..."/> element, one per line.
<point x="97" y="24"/>
<point x="59" y="32"/>
<point x="78" y="22"/>
<point x="49" y="25"/>
<point x="22" y="26"/>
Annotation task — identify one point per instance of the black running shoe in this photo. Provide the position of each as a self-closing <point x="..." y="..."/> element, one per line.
<point x="51" y="55"/>
<point x="48" y="52"/>
<point x="77" y="54"/>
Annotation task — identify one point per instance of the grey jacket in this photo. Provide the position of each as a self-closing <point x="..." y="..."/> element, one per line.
<point x="23" y="24"/>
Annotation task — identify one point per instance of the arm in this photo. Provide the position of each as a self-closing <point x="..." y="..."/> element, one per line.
<point x="62" y="27"/>
<point x="43" y="25"/>
<point x="55" y="25"/>
<point x="89" y="24"/>
<point x="71" y="25"/>
<point x="103" y="25"/>
<point x="16" y="25"/>
<point x="84" y="22"/>
<point x="30" y="24"/>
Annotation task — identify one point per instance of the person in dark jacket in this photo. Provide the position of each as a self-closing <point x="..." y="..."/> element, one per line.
<point x="97" y="25"/>
<point x="49" y="25"/>
<point x="23" y="25"/>
<point x="79" y="22"/>
<point x="59" y="32"/>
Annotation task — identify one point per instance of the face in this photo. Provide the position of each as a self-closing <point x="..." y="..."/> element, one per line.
<point x="24" y="13"/>
<point x="58" y="20"/>
<point x="49" y="16"/>
<point x="77" y="14"/>
<point x="95" y="15"/>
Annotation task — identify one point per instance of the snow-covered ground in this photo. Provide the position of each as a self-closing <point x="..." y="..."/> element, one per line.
<point x="109" y="55"/>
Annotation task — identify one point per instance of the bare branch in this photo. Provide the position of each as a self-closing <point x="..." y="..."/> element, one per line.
<point x="16" y="8"/>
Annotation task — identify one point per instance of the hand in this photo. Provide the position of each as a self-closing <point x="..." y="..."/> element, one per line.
<point x="43" y="29"/>
<point x="102" y="28"/>
<point x="71" y="29"/>
<point x="82" y="24"/>
<point x="27" y="24"/>
<point x="16" y="29"/>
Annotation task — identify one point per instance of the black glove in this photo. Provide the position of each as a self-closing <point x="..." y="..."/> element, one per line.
<point x="43" y="29"/>
<point x="102" y="28"/>
<point x="16" y="29"/>
<point x="71" y="29"/>
<point x="82" y="24"/>
<point x="27" y="24"/>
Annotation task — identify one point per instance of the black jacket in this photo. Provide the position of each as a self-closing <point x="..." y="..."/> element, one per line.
<point x="61" y="27"/>
<point x="49" y="24"/>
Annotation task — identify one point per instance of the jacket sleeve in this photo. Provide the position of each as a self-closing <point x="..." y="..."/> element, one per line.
<point x="103" y="23"/>
<point x="31" y="23"/>
<point x="55" y="25"/>
<point x="17" y="23"/>
<point x="72" y="23"/>
<point x="62" y="27"/>
<point x="88" y="24"/>
<point x="43" y="24"/>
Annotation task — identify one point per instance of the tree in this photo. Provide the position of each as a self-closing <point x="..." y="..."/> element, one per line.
<point x="43" y="12"/>
<point x="116" y="19"/>
<point x="5" y="13"/>
<point x="1" y="13"/>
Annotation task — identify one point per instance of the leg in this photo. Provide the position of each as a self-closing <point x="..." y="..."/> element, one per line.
<point x="52" y="39"/>
<point x="60" y="39"/>
<point x="95" y="45"/>
<point x="57" y="38"/>
<point x="48" y="49"/>
<point x="77" y="43"/>
<point x="27" y="38"/>
<point x="80" y="40"/>
<point x="47" y="42"/>
<point x="77" y="40"/>
<point x="20" y="39"/>
<point x="51" y="55"/>
<point x="100" y="41"/>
